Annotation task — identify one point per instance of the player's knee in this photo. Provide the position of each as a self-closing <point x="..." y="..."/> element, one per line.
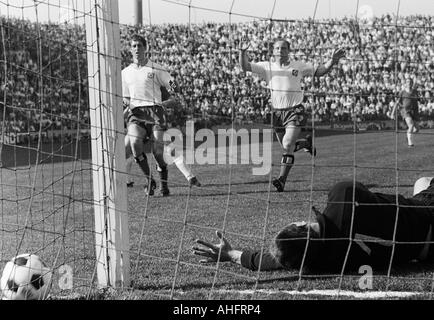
<point x="288" y="141"/>
<point x="422" y="184"/>
<point x="136" y="143"/>
<point x="288" y="145"/>
<point x="137" y="146"/>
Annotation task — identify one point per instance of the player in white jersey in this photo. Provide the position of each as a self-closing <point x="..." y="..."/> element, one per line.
<point x="283" y="78"/>
<point x="141" y="82"/>
<point x="408" y="100"/>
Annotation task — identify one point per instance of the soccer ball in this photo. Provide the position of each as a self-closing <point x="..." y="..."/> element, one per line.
<point x="25" y="277"/>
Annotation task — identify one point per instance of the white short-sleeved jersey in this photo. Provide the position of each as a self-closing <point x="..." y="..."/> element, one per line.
<point x="142" y="84"/>
<point x="284" y="82"/>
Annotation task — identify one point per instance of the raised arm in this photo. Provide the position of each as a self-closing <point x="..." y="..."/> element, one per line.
<point x="244" y="59"/>
<point x="325" y="68"/>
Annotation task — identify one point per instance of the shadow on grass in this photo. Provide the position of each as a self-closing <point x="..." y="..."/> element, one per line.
<point x="221" y="285"/>
<point x="207" y="191"/>
<point x="244" y="183"/>
<point x="265" y="191"/>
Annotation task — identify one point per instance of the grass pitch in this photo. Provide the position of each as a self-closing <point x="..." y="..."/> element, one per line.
<point x="47" y="210"/>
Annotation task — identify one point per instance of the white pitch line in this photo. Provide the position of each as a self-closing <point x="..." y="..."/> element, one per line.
<point x="332" y="293"/>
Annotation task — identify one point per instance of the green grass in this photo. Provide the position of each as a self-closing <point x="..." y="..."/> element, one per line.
<point x="162" y="230"/>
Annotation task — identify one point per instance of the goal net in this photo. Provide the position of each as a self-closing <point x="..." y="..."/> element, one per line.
<point x="63" y="175"/>
<point x="62" y="142"/>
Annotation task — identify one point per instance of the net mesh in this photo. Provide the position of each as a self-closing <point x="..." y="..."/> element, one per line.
<point x="46" y="173"/>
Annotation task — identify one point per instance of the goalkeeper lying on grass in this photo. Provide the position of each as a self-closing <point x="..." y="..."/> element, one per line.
<point x="377" y="237"/>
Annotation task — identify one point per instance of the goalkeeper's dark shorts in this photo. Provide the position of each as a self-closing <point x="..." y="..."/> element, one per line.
<point x="152" y="118"/>
<point x="292" y="117"/>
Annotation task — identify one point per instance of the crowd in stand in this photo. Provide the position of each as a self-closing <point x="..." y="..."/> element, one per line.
<point x="381" y="56"/>
<point x="54" y="98"/>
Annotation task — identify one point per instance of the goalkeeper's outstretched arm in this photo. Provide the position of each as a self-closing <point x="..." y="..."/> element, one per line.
<point x="223" y="252"/>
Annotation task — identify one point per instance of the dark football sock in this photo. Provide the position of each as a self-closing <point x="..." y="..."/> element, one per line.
<point x="164" y="176"/>
<point x="142" y="161"/>
<point x="285" y="166"/>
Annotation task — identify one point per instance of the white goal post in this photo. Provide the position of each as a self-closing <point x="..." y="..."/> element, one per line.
<point x="108" y="150"/>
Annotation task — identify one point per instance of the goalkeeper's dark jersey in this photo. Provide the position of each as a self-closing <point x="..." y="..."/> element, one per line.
<point x="372" y="230"/>
<point x="382" y="223"/>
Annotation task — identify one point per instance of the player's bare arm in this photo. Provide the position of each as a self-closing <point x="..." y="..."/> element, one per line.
<point x="126" y="105"/>
<point x="392" y="114"/>
<point x="222" y="251"/>
<point x="244" y="59"/>
<point x="325" y="68"/>
<point x="173" y="87"/>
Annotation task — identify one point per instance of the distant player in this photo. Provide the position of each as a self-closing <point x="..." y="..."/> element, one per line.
<point x="358" y="227"/>
<point x="141" y="82"/>
<point x="408" y="103"/>
<point x="283" y="78"/>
